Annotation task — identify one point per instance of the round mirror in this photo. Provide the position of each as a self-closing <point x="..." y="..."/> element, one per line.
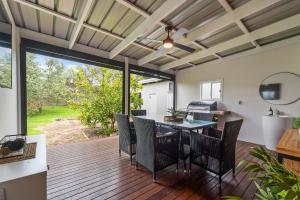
<point x="281" y="88"/>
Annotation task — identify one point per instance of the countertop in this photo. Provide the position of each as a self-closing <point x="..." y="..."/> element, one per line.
<point x="15" y="170"/>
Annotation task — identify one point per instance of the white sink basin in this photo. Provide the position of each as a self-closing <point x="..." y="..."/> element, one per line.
<point x="273" y="129"/>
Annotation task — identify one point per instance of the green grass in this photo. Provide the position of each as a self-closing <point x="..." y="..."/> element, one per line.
<point x="47" y="116"/>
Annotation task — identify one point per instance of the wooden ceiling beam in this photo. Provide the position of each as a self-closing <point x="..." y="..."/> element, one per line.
<point x="86" y="25"/>
<point x="219" y="23"/>
<point x="8" y="12"/>
<point x="238" y="22"/>
<point x="164" y="10"/>
<point x="266" y="31"/>
<point x="83" y="14"/>
<point x="46" y="10"/>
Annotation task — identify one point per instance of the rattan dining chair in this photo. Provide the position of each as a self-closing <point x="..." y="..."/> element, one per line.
<point x="215" y="152"/>
<point x="138" y="112"/>
<point x="127" y="137"/>
<point x="157" y="147"/>
<point x="184" y="155"/>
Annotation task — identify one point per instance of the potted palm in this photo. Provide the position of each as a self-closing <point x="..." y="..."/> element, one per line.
<point x="276" y="182"/>
<point x="296" y="124"/>
<point x="175" y="116"/>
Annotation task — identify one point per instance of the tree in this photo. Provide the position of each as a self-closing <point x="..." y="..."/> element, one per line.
<point x="135" y="92"/>
<point x="98" y="96"/>
<point x="55" y="82"/>
<point x="35" y="85"/>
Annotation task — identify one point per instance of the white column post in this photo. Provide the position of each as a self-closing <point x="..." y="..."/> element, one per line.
<point x="15" y="47"/>
<point x="127" y="86"/>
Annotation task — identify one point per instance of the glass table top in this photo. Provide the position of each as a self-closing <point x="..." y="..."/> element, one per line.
<point x="185" y="124"/>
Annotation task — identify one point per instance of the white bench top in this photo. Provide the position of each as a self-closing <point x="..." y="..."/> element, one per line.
<point x="15" y="170"/>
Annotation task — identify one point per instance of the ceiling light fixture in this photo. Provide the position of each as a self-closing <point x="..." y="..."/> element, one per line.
<point x="168" y="42"/>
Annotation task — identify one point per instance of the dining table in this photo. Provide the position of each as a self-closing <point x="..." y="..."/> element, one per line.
<point x="188" y="125"/>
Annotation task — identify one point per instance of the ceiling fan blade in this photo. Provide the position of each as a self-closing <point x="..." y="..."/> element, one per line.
<point x="161" y="50"/>
<point x="148" y="39"/>
<point x="183" y="47"/>
<point x="179" y="33"/>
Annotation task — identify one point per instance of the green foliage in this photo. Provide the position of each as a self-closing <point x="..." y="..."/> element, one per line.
<point x="135" y="88"/>
<point x="296" y="123"/>
<point x="5" y="68"/>
<point x="45" y="86"/>
<point x="276" y="181"/>
<point x="98" y="95"/>
<point x="55" y="83"/>
<point x="95" y="92"/>
<point x="176" y="113"/>
<point x="35" y="85"/>
<point x="48" y="115"/>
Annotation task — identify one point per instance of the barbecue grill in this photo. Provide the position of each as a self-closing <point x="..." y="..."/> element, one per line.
<point x="198" y="106"/>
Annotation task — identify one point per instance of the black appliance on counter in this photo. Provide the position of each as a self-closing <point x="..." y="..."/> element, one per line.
<point x="199" y="106"/>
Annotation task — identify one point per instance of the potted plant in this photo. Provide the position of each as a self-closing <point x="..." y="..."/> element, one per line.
<point x="176" y="116"/>
<point x="276" y="182"/>
<point x="296" y="124"/>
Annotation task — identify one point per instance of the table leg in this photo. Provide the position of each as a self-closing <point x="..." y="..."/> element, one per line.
<point x="191" y="154"/>
<point x="280" y="157"/>
<point x="182" y="151"/>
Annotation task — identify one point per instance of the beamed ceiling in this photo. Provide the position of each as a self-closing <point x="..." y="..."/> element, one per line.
<point x="216" y="28"/>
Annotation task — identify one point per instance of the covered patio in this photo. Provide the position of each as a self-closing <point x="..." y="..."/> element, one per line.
<point x="172" y="93"/>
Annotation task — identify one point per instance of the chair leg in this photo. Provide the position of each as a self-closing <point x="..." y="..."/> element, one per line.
<point x="184" y="164"/>
<point x="119" y="152"/>
<point x="220" y="179"/>
<point x="177" y="166"/>
<point x="130" y="152"/>
<point x="154" y="177"/>
<point x="136" y="165"/>
<point x="233" y="171"/>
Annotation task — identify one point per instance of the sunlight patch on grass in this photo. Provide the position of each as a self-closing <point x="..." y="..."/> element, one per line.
<point x="48" y="115"/>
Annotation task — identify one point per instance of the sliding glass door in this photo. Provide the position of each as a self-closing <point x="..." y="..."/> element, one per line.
<point x="71" y="101"/>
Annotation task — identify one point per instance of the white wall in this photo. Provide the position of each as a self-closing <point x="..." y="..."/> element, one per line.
<point x="164" y="98"/>
<point x="242" y="77"/>
<point x="8" y="97"/>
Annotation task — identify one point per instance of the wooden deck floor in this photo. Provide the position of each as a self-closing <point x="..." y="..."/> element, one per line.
<point x="94" y="170"/>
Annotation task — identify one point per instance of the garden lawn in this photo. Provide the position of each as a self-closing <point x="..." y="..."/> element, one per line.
<point x="48" y="115"/>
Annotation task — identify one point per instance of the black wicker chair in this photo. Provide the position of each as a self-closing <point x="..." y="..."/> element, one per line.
<point x="216" y="151"/>
<point x="157" y="147"/>
<point x="127" y="137"/>
<point x="138" y="112"/>
<point x="186" y="135"/>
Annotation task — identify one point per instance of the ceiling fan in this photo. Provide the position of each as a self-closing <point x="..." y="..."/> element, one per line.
<point x="170" y="41"/>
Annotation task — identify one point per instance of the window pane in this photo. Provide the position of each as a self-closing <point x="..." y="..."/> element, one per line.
<point x="206" y="91"/>
<point x="216" y="90"/>
<point x="5" y="67"/>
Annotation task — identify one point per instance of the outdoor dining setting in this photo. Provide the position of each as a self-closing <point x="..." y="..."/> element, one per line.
<point x="156" y="142"/>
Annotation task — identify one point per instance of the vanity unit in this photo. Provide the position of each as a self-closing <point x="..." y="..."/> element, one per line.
<point x="273" y="129"/>
<point x="26" y="179"/>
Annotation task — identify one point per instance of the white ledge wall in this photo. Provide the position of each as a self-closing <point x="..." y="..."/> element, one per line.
<point x="9" y="97"/>
<point x="242" y="77"/>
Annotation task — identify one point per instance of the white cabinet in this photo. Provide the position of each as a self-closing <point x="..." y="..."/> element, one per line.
<point x="26" y="179"/>
<point x="273" y="129"/>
